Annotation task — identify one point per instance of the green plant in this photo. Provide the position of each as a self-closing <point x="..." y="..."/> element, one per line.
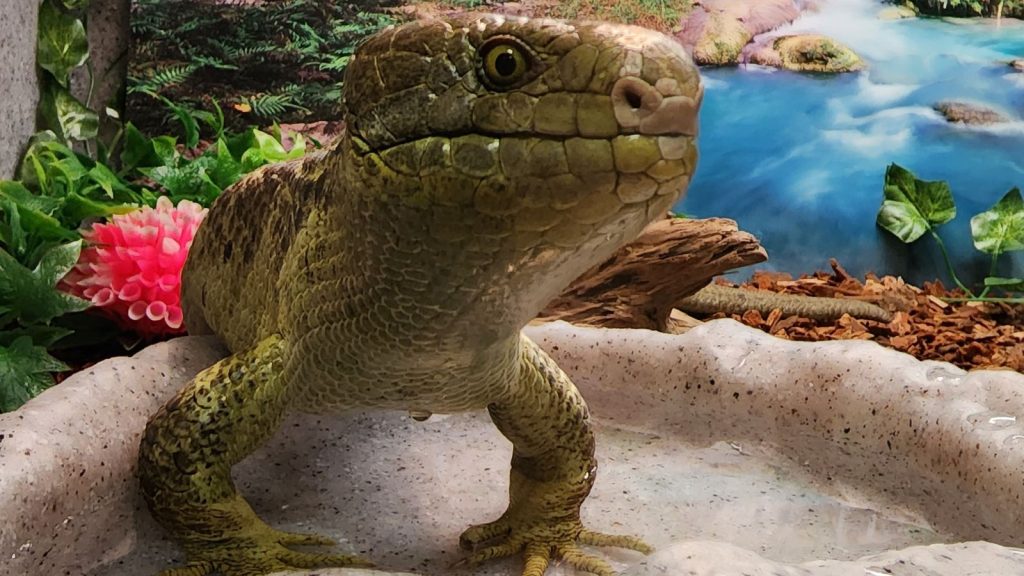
<point x="281" y="60"/>
<point x="58" y="189"/>
<point x="976" y="7"/>
<point x="914" y="207"/>
<point x="660" y="14"/>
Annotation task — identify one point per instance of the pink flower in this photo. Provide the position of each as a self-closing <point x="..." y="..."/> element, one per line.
<point x="131" y="266"/>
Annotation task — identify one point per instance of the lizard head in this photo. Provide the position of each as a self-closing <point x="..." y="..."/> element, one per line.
<point x="533" y="148"/>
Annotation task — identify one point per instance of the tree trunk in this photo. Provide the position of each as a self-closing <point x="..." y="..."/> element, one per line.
<point x="640" y="284"/>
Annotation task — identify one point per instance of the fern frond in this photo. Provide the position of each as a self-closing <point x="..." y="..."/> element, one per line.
<point x="161" y="78"/>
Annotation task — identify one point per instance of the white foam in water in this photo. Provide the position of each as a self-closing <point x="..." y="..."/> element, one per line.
<point x="855" y="23"/>
<point x="714" y="83"/>
<point x="875" y="142"/>
<point x="875" y="94"/>
<point x="813" y="186"/>
<point x="1015" y="128"/>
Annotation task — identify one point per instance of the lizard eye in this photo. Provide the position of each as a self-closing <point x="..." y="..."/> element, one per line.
<point x="505" y="62"/>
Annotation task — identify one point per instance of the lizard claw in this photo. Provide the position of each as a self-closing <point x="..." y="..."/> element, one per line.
<point x="540" y="545"/>
<point x="260" y="551"/>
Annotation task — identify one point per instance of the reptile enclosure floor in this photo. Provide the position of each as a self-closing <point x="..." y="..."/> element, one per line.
<point x="400" y="492"/>
<point x="732" y="451"/>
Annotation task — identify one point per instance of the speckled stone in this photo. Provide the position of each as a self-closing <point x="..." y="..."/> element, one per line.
<point x="731" y="451"/>
<point x="109" y="35"/>
<point x="17" y="80"/>
<point x="67" y="483"/>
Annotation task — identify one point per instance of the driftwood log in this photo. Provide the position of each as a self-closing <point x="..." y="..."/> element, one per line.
<point x="641" y="283"/>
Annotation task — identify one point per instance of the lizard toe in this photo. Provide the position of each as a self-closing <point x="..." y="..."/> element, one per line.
<point x="475" y="536"/>
<point x="584" y="562"/>
<point x="592" y="538"/>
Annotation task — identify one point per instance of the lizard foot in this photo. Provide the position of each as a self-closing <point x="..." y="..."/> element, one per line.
<point x="262" y="551"/>
<point x="542" y="543"/>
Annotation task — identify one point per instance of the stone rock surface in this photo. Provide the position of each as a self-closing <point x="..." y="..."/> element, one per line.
<point x="108" y="40"/>
<point x="109" y="35"/>
<point x="812" y="455"/>
<point x="809" y="53"/>
<point x="721" y="559"/>
<point x="971" y="113"/>
<point x="69" y="456"/>
<point x="715" y="31"/>
<point x="18" y="79"/>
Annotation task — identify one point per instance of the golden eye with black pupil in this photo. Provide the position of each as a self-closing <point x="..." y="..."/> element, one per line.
<point x="504" y="62"/>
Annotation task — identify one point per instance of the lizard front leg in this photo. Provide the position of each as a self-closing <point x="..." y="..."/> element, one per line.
<point x="553" y="470"/>
<point x="185" y="462"/>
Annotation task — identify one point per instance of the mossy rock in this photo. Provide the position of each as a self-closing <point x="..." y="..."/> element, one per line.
<point x="971" y="113"/>
<point x="814" y="53"/>
<point x="722" y="41"/>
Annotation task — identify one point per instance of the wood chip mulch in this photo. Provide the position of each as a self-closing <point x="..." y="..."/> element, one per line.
<point x="969" y="335"/>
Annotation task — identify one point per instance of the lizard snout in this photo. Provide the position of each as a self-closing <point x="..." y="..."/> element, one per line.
<point x="658" y="109"/>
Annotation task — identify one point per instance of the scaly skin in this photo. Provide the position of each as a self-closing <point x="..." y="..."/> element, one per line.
<point x="396" y="269"/>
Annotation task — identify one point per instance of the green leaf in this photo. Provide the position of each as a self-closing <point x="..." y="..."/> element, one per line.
<point x="57" y="262"/>
<point x="75" y="4"/>
<point x="32" y="213"/>
<point x="12" y="234"/>
<point x="62" y="44"/>
<point x="271" y="149"/>
<point x="241" y="143"/>
<point x="911" y="206"/>
<point x="188" y="122"/>
<point x="223" y="169"/>
<point x="41" y="335"/>
<point x="25" y="372"/>
<point x="113" y="186"/>
<point x="166" y="149"/>
<point x="189" y="181"/>
<point x="78" y="208"/>
<point x="138" y="150"/>
<point x="68" y="117"/>
<point x="87" y="329"/>
<point x="31" y="293"/>
<point x="1001" y="228"/>
<point x="44" y="148"/>
<point x="1010" y="284"/>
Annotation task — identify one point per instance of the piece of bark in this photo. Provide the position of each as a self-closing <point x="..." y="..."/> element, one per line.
<point x="639" y="285"/>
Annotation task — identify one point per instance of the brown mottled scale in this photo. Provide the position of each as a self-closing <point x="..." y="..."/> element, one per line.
<point x="487" y="162"/>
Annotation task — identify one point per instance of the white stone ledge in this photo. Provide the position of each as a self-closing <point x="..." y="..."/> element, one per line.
<point x="723" y="433"/>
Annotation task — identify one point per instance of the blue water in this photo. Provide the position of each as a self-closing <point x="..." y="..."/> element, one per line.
<point x="799" y="160"/>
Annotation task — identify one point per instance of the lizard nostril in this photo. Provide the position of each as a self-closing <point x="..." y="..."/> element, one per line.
<point x="634" y="99"/>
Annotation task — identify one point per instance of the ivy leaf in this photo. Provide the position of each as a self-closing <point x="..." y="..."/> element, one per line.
<point x="77" y="121"/>
<point x="75" y="4"/>
<point x="31" y="294"/>
<point x="30" y="214"/>
<point x="1001" y="228"/>
<point x="113" y="186"/>
<point x="78" y="208"/>
<point x="1009" y="284"/>
<point x="911" y="206"/>
<point x="25" y="372"/>
<point x="62" y="43"/>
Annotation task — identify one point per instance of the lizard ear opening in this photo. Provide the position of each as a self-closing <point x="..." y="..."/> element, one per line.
<point x="505" y="63"/>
